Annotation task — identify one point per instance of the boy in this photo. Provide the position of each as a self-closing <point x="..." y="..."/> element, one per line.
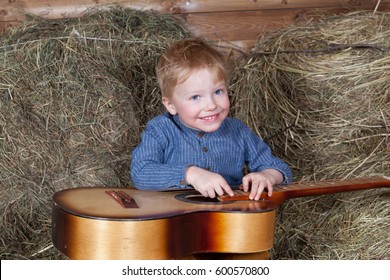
<point x="196" y="144"/>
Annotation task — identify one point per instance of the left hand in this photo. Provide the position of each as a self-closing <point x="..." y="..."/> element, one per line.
<point x="257" y="182"/>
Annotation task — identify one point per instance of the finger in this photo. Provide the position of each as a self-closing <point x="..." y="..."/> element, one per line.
<point x="203" y="193"/>
<point x="227" y="189"/>
<point x="260" y="190"/>
<point x="270" y="189"/>
<point x="255" y="185"/>
<point x="254" y="189"/>
<point x="245" y="183"/>
<point x="219" y="190"/>
<point x="268" y="186"/>
<point x="211" y="193"/>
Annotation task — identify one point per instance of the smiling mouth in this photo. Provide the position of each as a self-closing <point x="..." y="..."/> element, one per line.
<point x="210" y="118"/>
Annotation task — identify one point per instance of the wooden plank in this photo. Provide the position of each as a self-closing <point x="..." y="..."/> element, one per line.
<point x="237" y="26"/>
<point x="234" y="24"/>
<point x="14" y="10"/>
<point x="243" y="28"/>
<point x="203" y="6"/>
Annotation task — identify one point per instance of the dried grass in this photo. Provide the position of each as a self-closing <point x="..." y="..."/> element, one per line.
<point x="319" y="94"/>
<point x="75" y="95"/>
<point x="322" y="95"/>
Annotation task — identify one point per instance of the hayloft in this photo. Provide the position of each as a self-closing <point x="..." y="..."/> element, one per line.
<point x="76" y="92"/>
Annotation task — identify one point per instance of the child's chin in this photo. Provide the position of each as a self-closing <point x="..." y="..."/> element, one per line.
<point x="210" y="128"/>
<point x="206" y="126"/>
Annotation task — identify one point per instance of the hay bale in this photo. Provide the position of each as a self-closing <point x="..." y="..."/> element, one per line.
<point x="345" y="226"/>
<point x="319" y="94"/>
<point x="75" y="95"/>
<point x="322" y="95"/>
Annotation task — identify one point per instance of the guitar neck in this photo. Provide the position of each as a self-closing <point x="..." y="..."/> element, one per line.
<point x="302" y="189"/>
<point x="328" y="187"/>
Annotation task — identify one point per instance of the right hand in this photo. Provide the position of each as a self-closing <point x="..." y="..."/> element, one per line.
<point x="209" y="184"/>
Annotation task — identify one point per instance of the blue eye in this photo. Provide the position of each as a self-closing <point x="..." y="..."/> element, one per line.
<point x="195" y="97"/>
<point x="218" y="92"/>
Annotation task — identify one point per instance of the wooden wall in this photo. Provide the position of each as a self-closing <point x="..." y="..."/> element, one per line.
<point x="237" y="22"/>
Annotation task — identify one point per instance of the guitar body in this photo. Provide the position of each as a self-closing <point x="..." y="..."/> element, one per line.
<point x="123" y="223"/>
<point x="88" y="224"/>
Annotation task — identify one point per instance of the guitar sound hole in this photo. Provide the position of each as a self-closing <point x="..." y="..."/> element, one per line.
<point x="197" y="198"/>
<point x="201" y="198"/>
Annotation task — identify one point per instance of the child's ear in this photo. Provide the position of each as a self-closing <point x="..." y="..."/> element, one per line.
<point x="169" y="105"/>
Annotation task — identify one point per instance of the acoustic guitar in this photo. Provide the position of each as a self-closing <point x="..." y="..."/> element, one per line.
<point x="124" y="223"/>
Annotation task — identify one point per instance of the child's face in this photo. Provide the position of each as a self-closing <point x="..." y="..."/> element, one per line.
<point x="201" y="102"/>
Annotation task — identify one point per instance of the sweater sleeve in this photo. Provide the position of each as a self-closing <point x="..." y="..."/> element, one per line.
<point x="148" y="170"/>
<point x="259" y="156"/>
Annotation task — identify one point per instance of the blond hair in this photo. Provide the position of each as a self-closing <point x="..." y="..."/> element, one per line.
<point x="183" y="58"/>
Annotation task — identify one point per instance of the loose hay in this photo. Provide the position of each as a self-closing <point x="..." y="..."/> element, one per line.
<point x="75" y="94"/>
<point x="340" y="226"/>
<point x="319" y="94"/>
<point x="323" y="97"/>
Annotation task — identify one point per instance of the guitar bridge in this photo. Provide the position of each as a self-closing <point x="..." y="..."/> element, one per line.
<point x="125" y="200"/>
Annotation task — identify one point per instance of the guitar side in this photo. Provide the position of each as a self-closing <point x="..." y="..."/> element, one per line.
<point x="80" y="232"/>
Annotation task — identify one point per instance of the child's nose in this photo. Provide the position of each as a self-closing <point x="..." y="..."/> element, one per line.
<point x="211" y="104"/>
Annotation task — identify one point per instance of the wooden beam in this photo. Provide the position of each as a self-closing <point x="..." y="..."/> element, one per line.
<point x="241" y="29"/>
<point x="235" y="23"/>
<point x="14" y="10"/>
